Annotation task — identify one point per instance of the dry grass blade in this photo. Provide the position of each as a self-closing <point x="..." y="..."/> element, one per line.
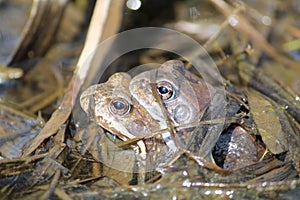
<point x="60" y="116"/>
<point x="15" y="166"/>
<point x="38" y="36"/>
<point x="62" y="194"/>
<point x="45" y="98"/>
<point x="52" y="186"/>
<point x="245" y="27"/>
<point x="202" y="162"/>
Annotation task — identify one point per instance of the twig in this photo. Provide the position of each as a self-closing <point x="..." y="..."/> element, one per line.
<point x="245" y="27"/>
<point x="48" y="194"/>
<point x="37" y="36"/>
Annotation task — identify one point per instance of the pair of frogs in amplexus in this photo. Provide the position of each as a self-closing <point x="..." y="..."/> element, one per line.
<point x="155" y="110"/>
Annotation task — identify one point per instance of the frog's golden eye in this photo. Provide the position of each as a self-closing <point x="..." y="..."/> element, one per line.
<point x="166" y="90"/>
<point x="119" y="106"/>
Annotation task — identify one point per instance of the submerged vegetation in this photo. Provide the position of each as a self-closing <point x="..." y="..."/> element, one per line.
<point x="54" y="50"/>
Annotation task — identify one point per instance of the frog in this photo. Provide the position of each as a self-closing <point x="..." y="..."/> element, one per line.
<point x="178" y="104"/>
<point x="186" y="97"/>
<point x="159" y="102"/>
<point x="111" y="106"/>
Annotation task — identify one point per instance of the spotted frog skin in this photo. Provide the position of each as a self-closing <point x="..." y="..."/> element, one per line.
<point x="184" y="95"/>
<point x="111" y="106"/>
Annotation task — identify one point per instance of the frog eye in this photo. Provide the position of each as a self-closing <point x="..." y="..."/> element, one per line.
<point x="119" y="106"/>
<point x="166" y="90"/>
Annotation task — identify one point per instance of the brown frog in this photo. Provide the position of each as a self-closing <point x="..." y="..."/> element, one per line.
<point x="148" y="104"/>
<point x="186" y="97"/>
<point x="171" y="95"/>
<point x="111" y="106"/>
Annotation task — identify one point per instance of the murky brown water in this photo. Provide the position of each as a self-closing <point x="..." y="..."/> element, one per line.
<point x="254" y="47"/>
